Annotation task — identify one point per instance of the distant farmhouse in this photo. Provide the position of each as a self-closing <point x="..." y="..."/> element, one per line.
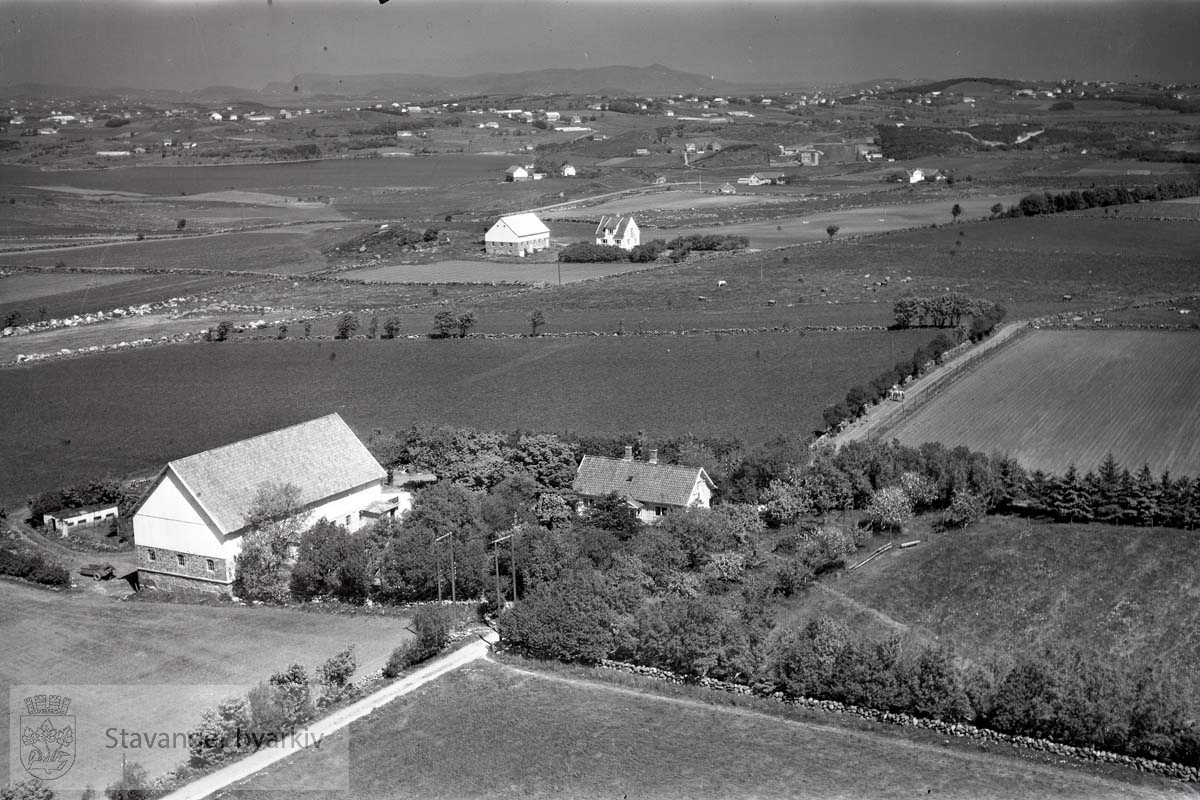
<point x="619" y="232"/>
<point x="516" y="235"/>
<point x="727" y="188"/>
<point x="188" y="526"/>
<point x="649" y="489"/>
<point x="517" y="173"/>
<point x="567" y="171"/>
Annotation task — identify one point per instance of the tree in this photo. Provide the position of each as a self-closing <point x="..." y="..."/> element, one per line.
<point x="307" y="328"/>
<point x="274" y="522"/>
<point x="956" y="212"/>
<point x="965" y="507"/>
<point x="134" y="783"/>
<point x="997" y="209"/>
<point x="568" y="620"/>
<point x="336" y="672"/>
<point x="890" y="508"/>
<point x="347" y="325"/>
<point x="464" y="323"/>
<point x="391" y="328"/>
<point x="445" y="321"/>
<point x="325" y="553"/>
<point x="373" y="328"/>
<point x="283" y="331"/>
<point x="832" y="231"/>
<point x="536" y="320"/>
<point x="31" y="789"/>
<point x="181" y="224"/>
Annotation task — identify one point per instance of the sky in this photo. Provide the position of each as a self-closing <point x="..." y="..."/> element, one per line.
<point x="191" y="44"/>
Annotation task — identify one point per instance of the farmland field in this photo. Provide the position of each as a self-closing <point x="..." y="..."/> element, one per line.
<point x="65" y="294"/>
<point x="302" y="177"/>
<point x="290" y="251"/>
<point x="484" y="271"/>
<point x="98" y="640"/>
<point x="556" y="737"/>
<point x="1056" y="398"/>
<point x="117" y="413"/>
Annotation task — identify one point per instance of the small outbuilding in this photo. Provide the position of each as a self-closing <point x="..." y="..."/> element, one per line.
<point x="516" y="173"/>
<point x="66" y="520"/>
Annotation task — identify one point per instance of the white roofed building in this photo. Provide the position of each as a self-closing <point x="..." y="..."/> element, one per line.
<point x="188" y="526"/>
<point x="516" y="235"/>
<point x="619" y="232"/>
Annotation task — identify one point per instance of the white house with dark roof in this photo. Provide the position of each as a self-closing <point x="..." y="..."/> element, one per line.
<point x="188" y="526"/>
<point x="516" y="235"/>
<point x="649" y="488"/>
<point x="619" y="232"/>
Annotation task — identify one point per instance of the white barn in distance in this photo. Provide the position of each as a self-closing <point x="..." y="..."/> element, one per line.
<point x="516" y="235"/>
<point x="188" y="526"/>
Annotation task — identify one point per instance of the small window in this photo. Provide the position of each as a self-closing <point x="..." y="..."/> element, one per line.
<point x="210" y="565"/>
<point x="347" y="520"/>
<point x="179" y="557"/>
<point x="660" y="511"/>
<point x="151" y="556"/>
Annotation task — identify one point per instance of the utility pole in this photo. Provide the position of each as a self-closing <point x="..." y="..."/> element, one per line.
<point x="496" y="543"/>
<point x="453" y="574"/>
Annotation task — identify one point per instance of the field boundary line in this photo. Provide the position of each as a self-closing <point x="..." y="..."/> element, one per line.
<point x="251" y="765"/>
<point x="888" y="417"/>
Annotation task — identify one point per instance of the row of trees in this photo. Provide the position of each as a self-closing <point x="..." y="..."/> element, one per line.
<point x="586" y="252"/>
<point x="942" y="311"/>
<point x="860" y="396"/>
<point x="1114" y="495"/>
<point x="1037" y="203"/>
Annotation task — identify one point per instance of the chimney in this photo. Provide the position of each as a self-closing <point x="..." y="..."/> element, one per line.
<point x="629" y="452"/>
<point x="653" y="456"/>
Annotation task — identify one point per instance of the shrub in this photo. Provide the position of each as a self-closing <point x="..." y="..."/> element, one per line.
<point x="569" y="620"/>
<point x="585" y="252"/>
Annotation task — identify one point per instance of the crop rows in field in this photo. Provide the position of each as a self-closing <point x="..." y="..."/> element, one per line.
<point x="1057" y="398"/>
<point x="288" y="252"/>
<point x="124" y="412"/>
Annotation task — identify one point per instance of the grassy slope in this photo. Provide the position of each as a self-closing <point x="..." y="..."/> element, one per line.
<point x="492" y="731"/>
<point x="174" y="650"/>
<point x="1007" y="585"/>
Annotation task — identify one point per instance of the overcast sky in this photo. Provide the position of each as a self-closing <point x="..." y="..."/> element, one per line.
<point x="190" y="44"/>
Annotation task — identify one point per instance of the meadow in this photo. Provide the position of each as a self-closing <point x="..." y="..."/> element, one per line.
<point x="125" y="412"/>
<point x="551" y="736"/>
<point x="1008" y="585"/>
<point x="63" y="294"/>
<point x="487" y="271"/>
<point x="290" y="251"/>
<point x="1056" y="398"/>
<point x="177" y="652"/>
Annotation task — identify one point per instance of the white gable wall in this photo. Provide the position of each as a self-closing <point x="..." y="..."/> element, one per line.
<point x="170" y="520"/>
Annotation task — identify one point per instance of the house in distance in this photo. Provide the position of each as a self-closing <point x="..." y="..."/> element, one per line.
<point x="619" y="232"/>
<point x="188" y="526"/>
<point x="649" y="489"/>
<point x="516" y="235"/>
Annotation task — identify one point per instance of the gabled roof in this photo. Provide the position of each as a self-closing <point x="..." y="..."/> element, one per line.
<point x="641" y="481"/>
<point x="321" y="457"/>
<point x="516" y="168"/>
<point x="617" y="224"/>
<point x="526" y="224"/>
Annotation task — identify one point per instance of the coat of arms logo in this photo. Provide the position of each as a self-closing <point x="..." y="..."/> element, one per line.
<point x="47" y="736"/>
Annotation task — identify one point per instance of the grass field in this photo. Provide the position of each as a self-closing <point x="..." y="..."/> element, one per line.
<point x="1007" y="585"/>
<point x="294" y="250"/>
<point x="117" y="413"/>
<point x="489" y="730"/>
<point x="177" y="650"/>
<point x="481" y="271"/>
<point x="1056" y="398"/>
<point x="66" y="294"/>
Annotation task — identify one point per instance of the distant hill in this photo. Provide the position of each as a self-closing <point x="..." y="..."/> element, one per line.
<point x="617" y="80"/>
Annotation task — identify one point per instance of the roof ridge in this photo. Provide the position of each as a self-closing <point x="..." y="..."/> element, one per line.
<point x="257" y="436"/>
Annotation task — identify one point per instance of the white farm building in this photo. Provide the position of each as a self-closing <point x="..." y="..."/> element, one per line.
<point x="188" y="526"/>
<point x="619" y="232"/>
<point x="516" y="235"/>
